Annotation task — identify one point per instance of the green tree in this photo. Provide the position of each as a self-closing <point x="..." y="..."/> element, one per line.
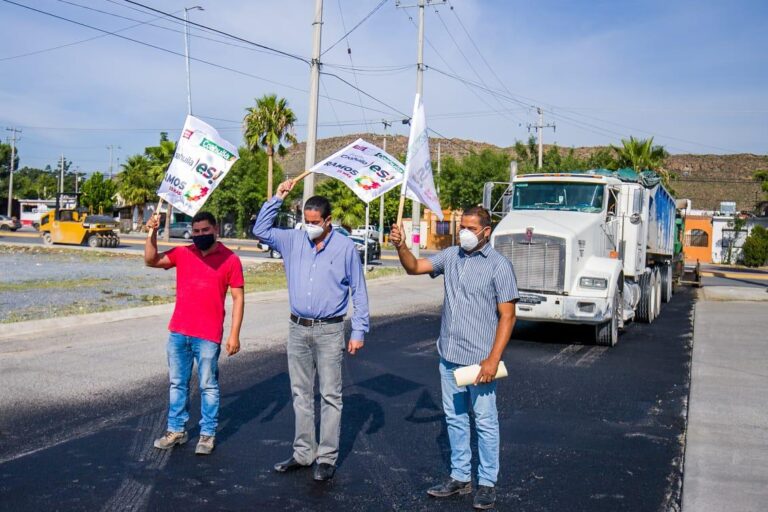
<point x="98" y="193"/>
<point x="346" y="208"/>
<point x="135" y="183"/>
<point x="268" y="126"/>
<point x="461" y="182"/>
<point x="640" y="154"/>
<point x="762" y="177"/>
<point x="242" y="192"/>
<point x="738" y="227"/>
<point x="755" y="248"/>
<point x="5" y="161"/>
<point x="160" y="157"/>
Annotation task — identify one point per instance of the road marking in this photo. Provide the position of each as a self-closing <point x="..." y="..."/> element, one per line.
<point x="133" y="495"/>
<point x="564" y="354"/>
<point x="592" y="355"/>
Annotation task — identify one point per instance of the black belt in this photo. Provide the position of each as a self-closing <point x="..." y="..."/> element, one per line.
<point x="309" y="322"/>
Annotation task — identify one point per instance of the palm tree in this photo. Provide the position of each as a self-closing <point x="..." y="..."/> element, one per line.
<point x="346" y="208"/>
<point x="268" y="126"/>
<point x="640" y="154"/>
<point x="160" y="158"/>
<point x="135" y="184"/>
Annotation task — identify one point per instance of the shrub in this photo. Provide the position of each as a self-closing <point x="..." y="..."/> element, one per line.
<point x="755" y="248"/>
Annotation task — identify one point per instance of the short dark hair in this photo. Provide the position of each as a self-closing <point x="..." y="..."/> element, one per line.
<point x="200" y="216"/>
<point x="481" y="213"/>
<point x="319" y="204"/>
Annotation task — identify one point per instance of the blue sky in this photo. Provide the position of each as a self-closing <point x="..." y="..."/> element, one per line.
<point x="691" y="73"/>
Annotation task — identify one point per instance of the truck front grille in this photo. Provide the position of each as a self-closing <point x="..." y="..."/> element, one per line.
<point x="539" y="264"/>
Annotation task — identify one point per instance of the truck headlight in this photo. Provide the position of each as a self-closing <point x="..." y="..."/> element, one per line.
<point x="597" y="283"/>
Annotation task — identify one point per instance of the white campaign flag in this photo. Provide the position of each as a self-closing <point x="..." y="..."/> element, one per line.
<point x="367" y="170"/>
<point x="418" y="165"/>
<point x="201" y="161"/>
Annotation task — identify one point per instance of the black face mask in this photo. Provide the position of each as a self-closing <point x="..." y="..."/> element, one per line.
<point x="204" y="242"/>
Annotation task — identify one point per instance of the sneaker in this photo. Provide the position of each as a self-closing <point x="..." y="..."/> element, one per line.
<point x="204" y="445"/>
<point x="450" y="488"/>
<point x="171" y="439"/>
<point x="485" y="497"/>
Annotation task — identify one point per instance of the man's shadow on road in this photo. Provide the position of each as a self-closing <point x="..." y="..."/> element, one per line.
<point x="270" y="395"/>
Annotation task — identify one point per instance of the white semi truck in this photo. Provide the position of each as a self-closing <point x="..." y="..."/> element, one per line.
<point x="588" y="248"/>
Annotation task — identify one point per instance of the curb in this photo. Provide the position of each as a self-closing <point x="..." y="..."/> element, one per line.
<point x="116" y="315"/>
<point x="733" y="294"/>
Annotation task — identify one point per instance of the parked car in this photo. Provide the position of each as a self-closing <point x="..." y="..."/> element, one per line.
<point x="9" y="223"/>
<point x="178" y="230"/>
<point x="373" y="232"/>
<point x="374" y="249"/>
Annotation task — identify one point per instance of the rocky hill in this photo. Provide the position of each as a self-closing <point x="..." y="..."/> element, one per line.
<point x="705" y="179"/>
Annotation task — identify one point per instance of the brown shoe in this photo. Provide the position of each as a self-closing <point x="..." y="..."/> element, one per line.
<point x="171" y="439"/>
<point x="205" y="445"/>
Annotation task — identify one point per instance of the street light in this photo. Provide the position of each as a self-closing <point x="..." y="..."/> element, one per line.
<point x="186" y="52"/>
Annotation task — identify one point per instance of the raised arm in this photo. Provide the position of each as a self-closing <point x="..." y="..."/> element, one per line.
<point x="263" y="228"/>
<point x="409" y="262"/>
<point x="152" y="258"/>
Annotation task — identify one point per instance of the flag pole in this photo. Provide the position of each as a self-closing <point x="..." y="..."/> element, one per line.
<point x="365" y="238"/>
<point x="156" y="214"/>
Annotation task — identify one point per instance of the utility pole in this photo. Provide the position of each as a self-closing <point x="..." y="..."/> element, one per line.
<point x="386" y="124"/>
<point x="438" y="168"/>
<point x="314" y="91"/>
<point x="110" y="148"/>
<point x="14" y="131"/>
<point x="61" y="178"/>
<point x="77" y="179"/>
<point x="416" y="210"/>
<point x="186" y="54"/>
<point x="540" y="132"/>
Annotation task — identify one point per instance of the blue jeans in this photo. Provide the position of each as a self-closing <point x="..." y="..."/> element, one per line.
<point x="457" y="402"/>
<point x="182" y="352"/>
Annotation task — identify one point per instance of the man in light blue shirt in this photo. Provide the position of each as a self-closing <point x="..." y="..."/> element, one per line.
<point x="322" y="268"/>
<point x="477" y="322"/>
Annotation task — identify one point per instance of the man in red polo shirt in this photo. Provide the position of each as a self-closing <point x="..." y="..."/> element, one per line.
<point x="204" y="272"/>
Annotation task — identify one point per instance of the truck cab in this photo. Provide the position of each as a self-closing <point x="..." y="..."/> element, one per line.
<point x="579" y="244"/>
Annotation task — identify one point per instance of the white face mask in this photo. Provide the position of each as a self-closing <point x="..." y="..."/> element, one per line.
<point x="468" y="240"/>
<point x="313" y="231"/>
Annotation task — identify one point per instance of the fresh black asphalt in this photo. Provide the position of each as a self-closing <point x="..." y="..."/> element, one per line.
<point x="583" y="428"/>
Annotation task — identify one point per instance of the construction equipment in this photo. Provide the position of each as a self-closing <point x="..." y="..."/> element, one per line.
<point x="69" y="223"/>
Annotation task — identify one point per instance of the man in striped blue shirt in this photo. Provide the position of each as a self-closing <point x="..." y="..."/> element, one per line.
<point x="477" y="321"/>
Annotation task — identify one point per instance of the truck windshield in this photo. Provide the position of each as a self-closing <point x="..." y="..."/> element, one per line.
<point x="562" y="195"/>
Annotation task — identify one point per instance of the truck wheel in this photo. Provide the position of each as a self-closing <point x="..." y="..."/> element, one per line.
<point x="47" y="240"/>
<point x="645" y="308"/>
<point x="93" y="241"/>
<point x="666" y="283"/>
<point x="607" y="333"/>
<point x="657" y="296"/>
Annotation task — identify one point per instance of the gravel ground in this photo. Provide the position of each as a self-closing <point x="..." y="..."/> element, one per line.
<point x="42" y="283"/>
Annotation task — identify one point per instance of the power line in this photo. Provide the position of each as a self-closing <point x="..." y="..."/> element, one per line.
<point x="466" y="59"/>
<point x="429" y="43"/>
<point x="346" y="34"/>
<point x="217" y="31"/>
<point x="197" y="59"/>
<point x="44" y="50"/>
<point x="349" y="53"/>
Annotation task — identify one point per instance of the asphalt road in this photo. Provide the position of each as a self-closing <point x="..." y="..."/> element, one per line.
<point x="583" y="428"/>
